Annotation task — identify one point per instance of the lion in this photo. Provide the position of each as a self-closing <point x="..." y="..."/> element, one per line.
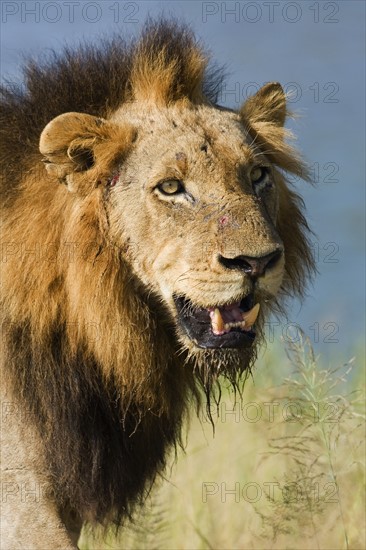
<point x="147" y="234"/>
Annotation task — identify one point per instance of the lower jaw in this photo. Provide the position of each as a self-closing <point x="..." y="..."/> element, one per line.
<point x="234" y="339"/>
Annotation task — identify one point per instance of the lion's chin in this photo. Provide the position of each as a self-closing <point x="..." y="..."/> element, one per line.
<point x="212" y="365"/>
<point x="217" y="327"/>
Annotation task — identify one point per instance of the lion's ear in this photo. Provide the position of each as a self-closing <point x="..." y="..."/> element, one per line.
<point x="268" y="105"/>
<point x="81" y="150"/>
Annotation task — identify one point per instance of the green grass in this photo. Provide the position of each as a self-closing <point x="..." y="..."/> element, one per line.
<point x="284" y="469"/>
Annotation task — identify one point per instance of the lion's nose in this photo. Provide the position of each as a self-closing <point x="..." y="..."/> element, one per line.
<point x="254" y="267"/>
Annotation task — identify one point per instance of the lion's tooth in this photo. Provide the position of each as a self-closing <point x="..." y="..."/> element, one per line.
<point x="218" y="324"/>
<point x="250" y="317"/>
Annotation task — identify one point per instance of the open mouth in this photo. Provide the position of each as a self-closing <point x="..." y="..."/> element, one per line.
<point x="226" y="326"/>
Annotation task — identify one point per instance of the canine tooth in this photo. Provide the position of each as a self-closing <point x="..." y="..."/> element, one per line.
<point x="218" y="324"/>
<point x="250" y="316"/>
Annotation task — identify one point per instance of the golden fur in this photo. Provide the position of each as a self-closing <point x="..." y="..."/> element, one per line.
<point x="92" y="347"/>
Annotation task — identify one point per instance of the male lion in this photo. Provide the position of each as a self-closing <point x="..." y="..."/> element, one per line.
<point x="147" y="233"/>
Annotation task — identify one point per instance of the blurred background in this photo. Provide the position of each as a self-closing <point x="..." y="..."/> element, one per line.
<point x="316" y="50"/>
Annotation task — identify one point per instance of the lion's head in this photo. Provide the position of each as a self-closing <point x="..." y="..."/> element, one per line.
<point x="194" y="198"/>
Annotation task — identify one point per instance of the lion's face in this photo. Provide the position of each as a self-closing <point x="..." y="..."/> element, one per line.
<point x="195" y="205"/>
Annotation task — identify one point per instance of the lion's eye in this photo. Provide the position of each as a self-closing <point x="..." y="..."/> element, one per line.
<point x="171" y="187"/>
<point x="258" y="174"/>
<point x="260" y="178"/>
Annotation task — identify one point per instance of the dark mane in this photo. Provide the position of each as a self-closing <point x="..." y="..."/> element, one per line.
<point x="85" y="433"/>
